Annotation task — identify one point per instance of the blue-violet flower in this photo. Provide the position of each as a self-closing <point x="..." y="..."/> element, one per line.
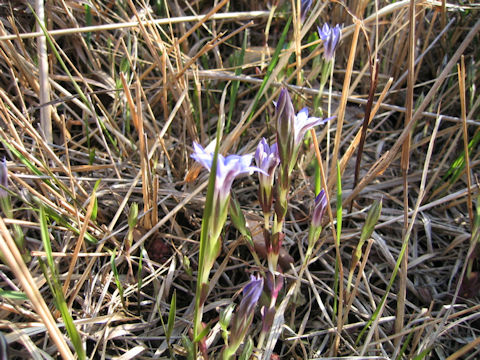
<point x="244" y="315"/>
<point x="3" y="178"/>
<point x="303" y="123"/>
<point x="305" y="6"/>
<point x="228" y="168"/>
<point x="267" y="159"/>
<point x="319" y="209"/>
<point x="251" y="294"/>
<point x="331" y="37"/>
<point x="316" y="223"/>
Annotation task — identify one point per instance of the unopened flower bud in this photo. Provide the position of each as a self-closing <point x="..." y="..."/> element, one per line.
<point x="305" y="6"/>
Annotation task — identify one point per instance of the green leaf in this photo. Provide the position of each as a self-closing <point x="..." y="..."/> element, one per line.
<point x="46" y="240"/>
<point x="117" y="277"/>
<point x="56" y="289"/>
<point x="188" y="345"/>
<point x="422" y="355"/>
<point x="88" y="22"/>
<point x="93" y="217"/>
<point x="171" y="316"/>
<point x="203" y="333"/>
<point x="247" y="350"/>
<point x="13" y="295"/>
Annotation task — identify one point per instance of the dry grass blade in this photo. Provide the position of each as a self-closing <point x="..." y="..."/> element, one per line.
<point x="463" y="104"/>
<point x="16" y="264"/>
<point x="45" y="111"/>
<point x="405" y="161"/>
<point x="79" y="243"/>
<point x="390" y="155"/>
<point x="343" y="103"/>
<point x="234" y="16"/>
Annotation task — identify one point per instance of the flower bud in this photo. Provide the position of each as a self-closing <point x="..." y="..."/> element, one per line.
<point x="3" y="178"/>
<point x="244" y="316"/>
<point x="285" y="118"/>
<point x="319" y="209"/>
<point x="304" y="7"/>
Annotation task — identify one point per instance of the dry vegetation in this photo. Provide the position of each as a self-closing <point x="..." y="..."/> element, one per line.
<point x="128" y="86"/>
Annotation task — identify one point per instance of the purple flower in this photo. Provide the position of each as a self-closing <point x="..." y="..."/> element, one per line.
<point x="285" y="119"/>
<point x="330" y="37"/>
<point x="267" y="159"/>
<point x="251" y="294"/>
<point x="228" y="168"/>
<point x="319" y="209"/>
<point x="305" y="6"/>
<point x="316" y="224"/>
<point x="291" y="128"/>
<point x="303" y="123"/>
<point x="3" y="178"/>
<point x="243" y="316"/>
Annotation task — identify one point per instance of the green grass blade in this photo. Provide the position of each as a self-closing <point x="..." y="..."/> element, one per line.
<point x="60" y="220"/>
<point x="457" y="167"/>
<point x="171" y="316"/>
<point x="203" y="333"/>
<point x="93" y="217"/>
<point x="247" y="350"/>
<point x="405" y="345"/>
<point x="140" y="277"/>
<point x="26" y="162"/>
<point x="318" y="179"/>
<point x="46" y="240"/>
<point x="189" y="347"/>
<point x="56" y="289"/>
<point x="387" y="290"/>
<point x="117" y="277"/>
<point x="13" y="295"/>
<point x="88" y="22"/>
<point x="29" y="165"/>
<point x="422" y="355"/>
<point x="68" y="320"/>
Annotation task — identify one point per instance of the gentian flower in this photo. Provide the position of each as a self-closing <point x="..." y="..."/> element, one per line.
<point x="319" y="209"/>
<point x="244" y="315"/>
<point x="303" y="123"/>
<point x="316" y="224"/>
<point x="6" y="206"/>
<point x="305" y="6"/>
<point x="330" y="37"/>
<point x="285" y="119"/>
<point x="228" y="168"/>
<point x="291" y="128"/>
<point x="251" y="294"/>
<point x="267" y="159"/>
<point x="3" y="178"/>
